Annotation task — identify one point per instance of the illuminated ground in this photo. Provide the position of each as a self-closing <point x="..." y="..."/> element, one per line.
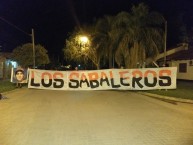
<point x="40" y="117"/>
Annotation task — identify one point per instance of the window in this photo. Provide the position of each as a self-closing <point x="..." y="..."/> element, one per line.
<point x="182" y="67"/>
<point x="190" y="63"/>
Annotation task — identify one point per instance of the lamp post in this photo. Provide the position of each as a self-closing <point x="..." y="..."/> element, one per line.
<point x="83" y="44"/>
<point x="33" y="45"/>
<point x="165" y="41"/>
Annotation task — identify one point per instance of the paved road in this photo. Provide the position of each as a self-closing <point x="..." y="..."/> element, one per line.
<point x="45" y="117"/>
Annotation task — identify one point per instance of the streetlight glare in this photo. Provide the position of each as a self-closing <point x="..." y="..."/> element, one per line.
<point x="84" y="39"/>
<point x="83" y="42"/>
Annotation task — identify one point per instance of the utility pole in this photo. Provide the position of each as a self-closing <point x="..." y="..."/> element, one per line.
<point x="32" y="35"/>
<point x="165" y="42"/>
<point x="33" y="45"/>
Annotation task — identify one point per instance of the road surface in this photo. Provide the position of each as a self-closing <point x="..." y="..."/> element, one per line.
<point x="47" y="117"/>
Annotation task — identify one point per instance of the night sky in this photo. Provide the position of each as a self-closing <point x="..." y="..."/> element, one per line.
<point x="52" y="20"/>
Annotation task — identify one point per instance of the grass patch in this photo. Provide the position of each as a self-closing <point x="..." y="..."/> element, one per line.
<point x="184" y="90"/>
<point x="6" y="85"/>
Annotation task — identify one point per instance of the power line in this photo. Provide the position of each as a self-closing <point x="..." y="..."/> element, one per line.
<point x="31" y="35"/>
<point x="15" y="26"/>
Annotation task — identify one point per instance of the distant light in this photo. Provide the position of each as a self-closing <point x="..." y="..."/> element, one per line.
<point x="79" y="65"/>
<point x="13" y="63"/>
<point x="68" y="66"/>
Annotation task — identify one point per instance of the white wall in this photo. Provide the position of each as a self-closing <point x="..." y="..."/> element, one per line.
<point x="185" y="76"/>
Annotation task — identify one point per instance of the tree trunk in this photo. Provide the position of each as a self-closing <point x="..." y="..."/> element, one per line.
<point x="110" y="58"/>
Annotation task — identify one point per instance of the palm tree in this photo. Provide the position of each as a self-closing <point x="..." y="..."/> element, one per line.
<point x="103" y="38"/>
<point x="141" y="35"/>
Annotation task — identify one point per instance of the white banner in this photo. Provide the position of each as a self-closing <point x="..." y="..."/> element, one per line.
<point x="119" y="79"/>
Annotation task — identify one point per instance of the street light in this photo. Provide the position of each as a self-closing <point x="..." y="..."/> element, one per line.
<point x="83" y="44"/>
<point x="83" y="41"/>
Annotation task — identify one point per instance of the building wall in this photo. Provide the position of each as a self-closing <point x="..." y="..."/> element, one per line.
<point x="5" y="68"/>
<point x="184" y="69"/>
<point x="1" y="70"/>
<point x="6" y="65"/>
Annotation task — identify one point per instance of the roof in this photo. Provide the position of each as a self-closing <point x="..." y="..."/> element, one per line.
<point x="182" y="55"/>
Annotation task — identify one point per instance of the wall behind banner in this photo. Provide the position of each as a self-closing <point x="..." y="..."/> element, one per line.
<point x="119" y="79"/>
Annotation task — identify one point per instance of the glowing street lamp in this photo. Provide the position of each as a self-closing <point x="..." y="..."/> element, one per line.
<point x="83" y="47"/>
<point x="84" y="39"/>
<point x="84" y="42"/>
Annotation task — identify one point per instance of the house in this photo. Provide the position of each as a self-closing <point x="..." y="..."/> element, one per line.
<point x="6" y="65"/>
<point x="183" y="60"/>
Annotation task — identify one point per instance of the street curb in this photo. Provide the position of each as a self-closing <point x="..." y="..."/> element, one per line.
<point x="167" y="98"/>
<point x="7" y="92"/>
<point x="14" y="90"/>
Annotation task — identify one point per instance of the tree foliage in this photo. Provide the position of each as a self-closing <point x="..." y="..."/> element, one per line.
<point x="24" y="55"/>
<point x="142" y="36"/>
<point x="78" y="51"/>
<point x="128" y="38"/>
<point x="103" y="38"/>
